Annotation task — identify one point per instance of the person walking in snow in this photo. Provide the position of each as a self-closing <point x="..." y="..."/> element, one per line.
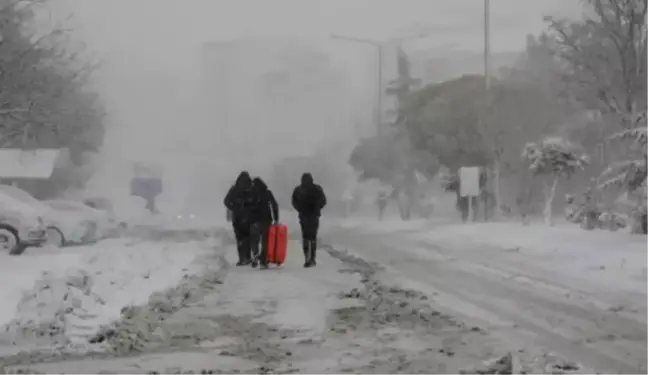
<point x="381" y="203"/>
<point x="265" y="213"/>
<point x="241" y="200"/>
<point x="347" y="198"/>
<point x="308" y="199"/>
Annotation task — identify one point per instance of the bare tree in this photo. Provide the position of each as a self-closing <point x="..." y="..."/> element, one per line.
<point x="44" y="101"/>
<point x="604" y="58"/>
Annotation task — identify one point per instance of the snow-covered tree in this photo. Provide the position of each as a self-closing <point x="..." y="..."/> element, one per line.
<point x="604" y="57"/>
<point x="630" y="175"/>
<point x="603" y="67"/>
<point x="553" y="159"/>
<point x="45" y="100"/>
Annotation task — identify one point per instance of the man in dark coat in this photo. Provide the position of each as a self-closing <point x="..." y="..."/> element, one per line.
<point x="264" y="214"/>
<point x="309" y="199"/>
<point x="241" y="200"/>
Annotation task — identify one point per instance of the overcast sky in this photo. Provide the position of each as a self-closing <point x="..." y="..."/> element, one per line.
<point x="150" y="29"/>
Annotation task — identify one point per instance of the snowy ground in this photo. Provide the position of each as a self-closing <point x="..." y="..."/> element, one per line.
<point x="421" y="297"/>
<point x="60" y="297"/>
<point x="579" y="295"/>
<point x="337" y="317"/>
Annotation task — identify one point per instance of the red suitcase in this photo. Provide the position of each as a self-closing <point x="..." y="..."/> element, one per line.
<point x="277" y="243"/>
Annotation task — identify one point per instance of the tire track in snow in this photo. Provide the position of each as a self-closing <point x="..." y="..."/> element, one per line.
<point x="599" y="338"/>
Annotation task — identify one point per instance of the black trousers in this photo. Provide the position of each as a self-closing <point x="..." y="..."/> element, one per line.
<point x="309" y="227"/>
<point x="259" y="241"/>
<point x="242" y="232"/>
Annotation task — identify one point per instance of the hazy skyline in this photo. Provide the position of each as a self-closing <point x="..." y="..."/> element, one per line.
<point x="149" y="29"/>
<point x="151" y="52"/>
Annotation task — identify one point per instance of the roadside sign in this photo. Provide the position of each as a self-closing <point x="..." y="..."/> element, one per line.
<point x="469" y="181"/>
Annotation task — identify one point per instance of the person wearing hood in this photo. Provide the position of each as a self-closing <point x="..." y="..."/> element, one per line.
<point x="308" y="199"/>
<point x="265" y="213"/>
<point x="241" y="200"/>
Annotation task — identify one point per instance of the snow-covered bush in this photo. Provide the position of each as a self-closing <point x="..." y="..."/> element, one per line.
<point x="612" y="221"/>
<point x="552" y="159"/>
<point x="588" y="211"/>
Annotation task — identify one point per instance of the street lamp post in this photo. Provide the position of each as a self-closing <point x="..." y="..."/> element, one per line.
<point x="379" y="45"/>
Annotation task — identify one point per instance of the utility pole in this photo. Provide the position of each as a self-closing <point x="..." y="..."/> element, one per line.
<point x="487" y="82"/>
<point x="216" y="58"/>
<point x="487" y="43"/>
<point x="379" y="47"/>
<point x="379" y="110"/>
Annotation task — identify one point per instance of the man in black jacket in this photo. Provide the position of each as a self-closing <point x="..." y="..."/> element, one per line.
<point x="265" y="213"/>
<point x="308" y="199"/>
<point x="241" y="200"/>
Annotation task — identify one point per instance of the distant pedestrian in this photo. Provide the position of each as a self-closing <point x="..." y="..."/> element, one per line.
<point x="347" y="199"/>
<point x="264" y="214"/>
<point x="308" y="199"/>
<point x="381" y="203"/>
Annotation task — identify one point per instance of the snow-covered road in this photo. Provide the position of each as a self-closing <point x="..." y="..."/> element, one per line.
<point x="336" y="317"/>
<point x="431" y="297"/>
<point x="580" y="295"/>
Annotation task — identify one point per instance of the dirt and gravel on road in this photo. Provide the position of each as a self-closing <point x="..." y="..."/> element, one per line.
<point x="569" y="306"/>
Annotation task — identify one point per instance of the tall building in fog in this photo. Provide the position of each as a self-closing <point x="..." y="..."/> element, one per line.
<point x="272" y="97"/>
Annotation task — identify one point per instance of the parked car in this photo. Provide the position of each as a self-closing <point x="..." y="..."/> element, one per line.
<point x="105" y="223"/>
<point x="62" y="227"/>
<point x="21" y="226"/>
<point x="99" y="203"/>
<point x="105" y="204"/>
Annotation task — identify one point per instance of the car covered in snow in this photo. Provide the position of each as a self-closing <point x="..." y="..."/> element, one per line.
<point x="21" y="226"/>
<point x="106" y="224"/>
<point x="62" y="227"/>
<point x="100" y="203"/>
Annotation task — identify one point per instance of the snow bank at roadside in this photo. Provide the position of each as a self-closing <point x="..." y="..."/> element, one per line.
<point x="608" y="258"/>
<point x="536" y="236"/>
<point x="68" y="304"/>
<point x="19" y="274"/>
<point x="390" y="223"/>
<point x="596" y="258"/>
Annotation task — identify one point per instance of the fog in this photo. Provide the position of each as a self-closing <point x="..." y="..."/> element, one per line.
<point x="209" y="87"/>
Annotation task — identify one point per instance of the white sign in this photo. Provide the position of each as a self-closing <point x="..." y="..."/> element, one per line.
<point x="17" y="163"/>
<point x="469" y="181"/>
